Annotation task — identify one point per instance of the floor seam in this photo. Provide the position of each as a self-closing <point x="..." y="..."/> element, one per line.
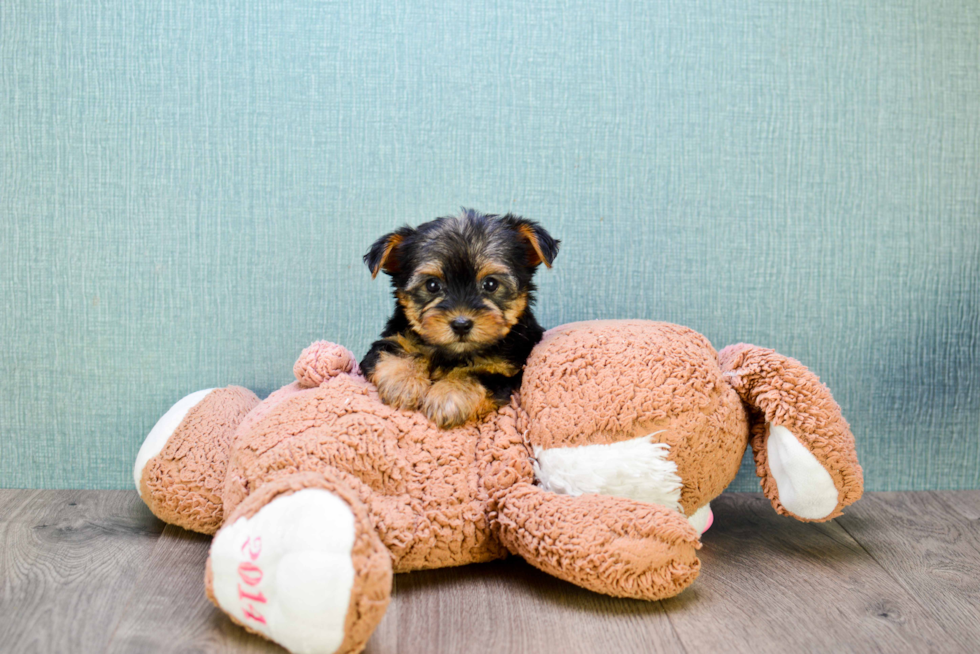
<point x="672" y="627"/>
<point x="901" y="584"/>
<point x="955" y="511"/>
<point x="135" y="588"/>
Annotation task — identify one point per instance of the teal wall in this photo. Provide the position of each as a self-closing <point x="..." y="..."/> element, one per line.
<point x="186" y="189"/>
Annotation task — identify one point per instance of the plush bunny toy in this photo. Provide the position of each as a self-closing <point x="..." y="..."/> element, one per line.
<point x="599" y="473"/>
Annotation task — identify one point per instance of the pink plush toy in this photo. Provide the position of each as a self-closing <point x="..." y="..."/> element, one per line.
<point x="599" y="473"/>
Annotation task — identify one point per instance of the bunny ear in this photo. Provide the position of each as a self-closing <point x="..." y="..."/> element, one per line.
<point x="803" y="486"/>
<point x="803" y="448"/>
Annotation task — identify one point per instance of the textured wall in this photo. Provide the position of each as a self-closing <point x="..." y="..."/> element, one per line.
<point x="186" y="191"/>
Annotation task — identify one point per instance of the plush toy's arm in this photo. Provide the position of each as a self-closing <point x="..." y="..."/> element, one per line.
<point x="607" y="544"/>
<point x="803" y="448"/>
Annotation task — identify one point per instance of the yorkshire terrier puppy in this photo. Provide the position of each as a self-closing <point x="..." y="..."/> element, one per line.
<point x="462" y="329"/>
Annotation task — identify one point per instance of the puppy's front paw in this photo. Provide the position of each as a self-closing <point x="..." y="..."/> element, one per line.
<point x="452" y="401"/>
<point x="402" y="382"/>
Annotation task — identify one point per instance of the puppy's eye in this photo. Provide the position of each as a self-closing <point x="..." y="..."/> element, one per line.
<point x="490" y="284"/>
<point x="433" y="286"/>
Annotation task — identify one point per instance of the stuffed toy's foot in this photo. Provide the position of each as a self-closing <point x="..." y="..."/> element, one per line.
<point x="702" y="519"/>
<point x="300" y="563"/>
<point x="180" y="468"/>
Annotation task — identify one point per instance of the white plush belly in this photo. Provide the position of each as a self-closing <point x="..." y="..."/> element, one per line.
<point x="637" y="469"/>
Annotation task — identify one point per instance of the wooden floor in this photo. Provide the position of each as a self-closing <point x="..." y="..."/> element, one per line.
<point x="94" y="571"/>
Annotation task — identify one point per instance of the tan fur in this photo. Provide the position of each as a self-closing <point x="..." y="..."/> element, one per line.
<point x="424" y="272"/>
<point x="488" y="365"/>
<point x="488" y="327"/>
<point x="402" y="381"/>
<point x="434" y="328"/>
<point x="393" y="242"/>
<point x="411" y="311"/>
<point x="455" y="399"/>
<point x="513" y="313"/>
<point x="532" y="238"/>
<point x="492" y="268"/>
<point x="425" y="497"/>
<point x="405" y="382"/>
<point x="411" y="345"/>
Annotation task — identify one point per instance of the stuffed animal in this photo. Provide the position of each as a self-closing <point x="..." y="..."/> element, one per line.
<point x="599" y="472"/>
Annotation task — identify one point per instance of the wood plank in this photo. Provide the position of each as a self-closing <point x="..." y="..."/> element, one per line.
<point x="457" y="609"/>
<point x="12" y="500"/>
<point x="773" y="584"/>
<point x="68" y="562"/>
<point x="170" y="611"/>
<point x="965" y="502"/>
<point x="930" y="550"/>
<point x="89" y="571"/>
<point x="509" y="606"/>
<point x="384" y="640"/>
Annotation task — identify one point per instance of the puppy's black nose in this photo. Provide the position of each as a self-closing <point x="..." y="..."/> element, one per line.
<point x="461" y="325"/>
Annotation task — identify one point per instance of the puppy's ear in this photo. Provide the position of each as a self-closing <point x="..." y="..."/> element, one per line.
<point x="384" y="254"/>
<point x="542" y="247"/>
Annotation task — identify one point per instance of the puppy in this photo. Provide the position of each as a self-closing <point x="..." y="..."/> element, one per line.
<point x="462" y="328"/>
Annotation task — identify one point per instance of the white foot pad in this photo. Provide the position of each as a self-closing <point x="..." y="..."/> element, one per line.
<point x="286" y="572"/>
<point x="804" y="486"/>
<point x="163" y="430"/>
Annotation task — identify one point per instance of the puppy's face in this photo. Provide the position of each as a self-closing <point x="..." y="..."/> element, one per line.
<point x="464" y="281"/>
